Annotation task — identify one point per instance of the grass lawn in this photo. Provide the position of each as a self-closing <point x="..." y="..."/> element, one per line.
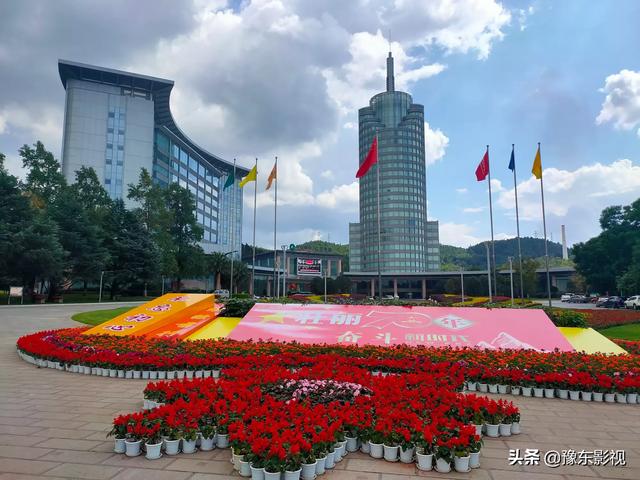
<point x="630" y="331"/>
<point x="96" y="317"/>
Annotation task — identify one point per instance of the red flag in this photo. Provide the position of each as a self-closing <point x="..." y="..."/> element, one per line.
<point x="372" y="158"/>
<point x="483" y="167"/>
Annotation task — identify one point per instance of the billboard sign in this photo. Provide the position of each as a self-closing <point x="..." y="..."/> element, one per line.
<point x="309" y="266"/>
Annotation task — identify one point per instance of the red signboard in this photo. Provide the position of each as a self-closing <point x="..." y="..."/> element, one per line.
<point x="380" y="325"/>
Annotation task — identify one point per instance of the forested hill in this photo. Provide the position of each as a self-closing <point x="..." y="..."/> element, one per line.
<point x="475" y="256"/>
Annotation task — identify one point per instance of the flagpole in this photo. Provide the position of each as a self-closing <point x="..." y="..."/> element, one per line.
<point x="493" y="249"/>
<point x="253" y="261"/>
<point x="378" y="207"/>
<point x="515" y="188"/>
<point x="544" y="229"/>
<point x="233" y="228"/>
<point x="275" y="225"/>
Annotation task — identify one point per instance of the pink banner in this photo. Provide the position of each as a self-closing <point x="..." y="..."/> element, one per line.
<point x="376" y="325"/>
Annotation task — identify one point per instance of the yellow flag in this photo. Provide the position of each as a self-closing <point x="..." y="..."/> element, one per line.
<point x="537" y="165"/>
<point x="251" y="177"/>
<point x="272" y="176"/>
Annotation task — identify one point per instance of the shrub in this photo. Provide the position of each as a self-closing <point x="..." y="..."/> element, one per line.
<point x="567" y="318"/>
<point x="238" y="307"/>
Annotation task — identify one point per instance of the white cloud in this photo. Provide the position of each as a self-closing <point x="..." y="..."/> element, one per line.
<point x="462" y="190"/>
<point x="621" y="105"/>
<point x="463" y="235"/>
<point x="343" y="197"/>
<point x="435" y="144"/>
<point x="44" y="125"/>
<point x="328" y="174"/>
<point x="473" y="209"/>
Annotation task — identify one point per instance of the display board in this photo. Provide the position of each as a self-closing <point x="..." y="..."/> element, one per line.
<point x="386" y="325"/>
<point x="589" y="340"/>
<point x="309" y="266"/>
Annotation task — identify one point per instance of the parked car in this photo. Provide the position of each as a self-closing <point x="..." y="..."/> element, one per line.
<point x="566" y="297"/>
<point x="221" y="293"/>
<point x="601" y="301"/>
<point x="613" y="302"/>
<point x="578" y="299"/>
<point x="633" y="302"/>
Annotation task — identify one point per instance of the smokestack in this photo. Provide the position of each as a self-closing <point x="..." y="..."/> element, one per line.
<point x="565" y="253"/>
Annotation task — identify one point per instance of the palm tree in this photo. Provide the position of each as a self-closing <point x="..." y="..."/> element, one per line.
<point x="217" y="263"/>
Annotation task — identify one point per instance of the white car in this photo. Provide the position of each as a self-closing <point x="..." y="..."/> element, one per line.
<point x="633" y="302"/>
<point x="566" y="297"/>
<point x="221" y="293"/>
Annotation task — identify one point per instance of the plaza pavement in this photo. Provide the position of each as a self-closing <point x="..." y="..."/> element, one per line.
<point x="53" y="425"/>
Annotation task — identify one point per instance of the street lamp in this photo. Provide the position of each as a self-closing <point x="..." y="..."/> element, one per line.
<point x="101" y="277"/>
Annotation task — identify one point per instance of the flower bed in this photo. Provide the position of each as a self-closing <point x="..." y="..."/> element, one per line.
<point x="631" y="346"/>
<point x="600" y="318"/>
<point x="303" y="421"/>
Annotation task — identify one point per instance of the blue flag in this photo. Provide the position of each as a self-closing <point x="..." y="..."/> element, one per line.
<point x="512" y="162"/>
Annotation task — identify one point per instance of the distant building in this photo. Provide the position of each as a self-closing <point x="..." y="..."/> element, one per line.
<point x="119" y="122"/>
<point x="409" y="243"/>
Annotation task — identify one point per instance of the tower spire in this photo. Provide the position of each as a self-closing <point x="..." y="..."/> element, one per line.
<point x="390" y="76"/>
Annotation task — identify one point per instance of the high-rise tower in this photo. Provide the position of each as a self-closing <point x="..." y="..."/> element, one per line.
<point x="408" y="242"/>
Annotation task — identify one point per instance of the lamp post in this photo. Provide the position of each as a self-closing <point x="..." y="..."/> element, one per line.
<point x="101" y="277"/>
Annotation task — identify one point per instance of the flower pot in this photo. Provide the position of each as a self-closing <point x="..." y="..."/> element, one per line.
<point x="223" y="440"/>
<point x="113" y="373"/>
<point x="493" y="431"/>
<point x="207" y="444"/>
<point x="308" y="471"/>
<point x="474" y="459"/>
<point x="188" y="446"/>
<point x="364" y="446"/>
<point x="162" y="374"/>
<point x="563" y="393"/>
<point x="461" y="464"/>
<point x="376" y="450"/>
<point x="515" y="428"/>
<point x="352" y="444"/>
<point x="146" y="374"/>
<point x="526" y="391"/>
<point x="172" y="447"/>
<point x="549" y="393"/>
<point x="472" y="386"/>
<point x="597" y="396"/>
<point x="120" y="373"/>
<point x="198" y="374"/>
<point x="137" y="374"/>
<point x="442" y="465"/>
<point x="425" y="461"/>
<point x="574" y="395"/>
<point x="538" y="392"/>
<point x="153" y="450"/>
<point x="190" y="374"/>
<point x="330" y="462"/>
<point x="493" y="388"/>
<point x="128" y="374"/>
<point x="132" y="448"/>
<point x="256" y="473"/>
<point x="119" y="446"/>
<point x="180" y="373"/>
<point x="272" y="475"/>
<point x="514" y="391"/>
<point x="320" y="463"/>
<point x="483" y="387"/>
<point x="632" y="398"/>
<point x="171" y="374"/>
<point x="391" y="453"/>
<point x="586" y="396"/>
<point x="609" y="397"/>
<point x="86" y="370"/>
<point x="341" y="450"/>
<point x="153" y="375"/>
<point x="235" y="459"/>
<point x="478" y="429"/>
<point x="245" y="469"/>
<point x="505" y="429"/>
<point x="406" y="456"/>
<point x="216" y="374"/>
<point x="621" y="397"/>
<point x="502" y="389"/>
<point x="206" y="373"/>
<point x="292" y="475"/>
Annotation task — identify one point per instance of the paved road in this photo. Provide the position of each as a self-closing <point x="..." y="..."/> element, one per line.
<point x="559" y="304"/>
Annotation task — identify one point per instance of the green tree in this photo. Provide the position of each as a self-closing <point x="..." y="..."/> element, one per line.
<point x="529" y="277"/>
<point x="44" y="180"/>
<point x="91" y="194"/>
<point x="218" y="263"/>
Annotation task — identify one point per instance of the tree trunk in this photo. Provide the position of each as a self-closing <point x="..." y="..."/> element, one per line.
<point x="218" y="281"/>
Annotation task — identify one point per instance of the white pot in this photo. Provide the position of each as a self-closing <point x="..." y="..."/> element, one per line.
<point x="223" y="440"/>
<point x="341" y="450"/>
<point x="162" y="374"/>
<point x="153" y="450"/>
<point x="180" y="373"/>
<point x="198" y="374"/>
<point x="146" y="374"/>
<point x="474" y="460"/>
<point x="113" y="373"/>
<point x="207" y="444"/>
<point x="621" y="397"/>
<point x="292" y="475"/>
<point x="538" y="392"/>
<point x="549" y="393"/>
<point x="461" y="464"/>
<point x="483" y="387"/>
<point x="257" y="473"/>
<point x="515" y="428"/>
<point x="425" y="462"/>
<point x="86" y="370"/>
<point x="586" y="396"/>
<point x="137" y="374"/>
<point x="188" y="446"/>
<point x="526" y="391"/>
<point x="493" y="388"/>
<point x="320" y="463"/>
<point x="235" y="459"/>
<point x="563" y="393"/>
<point x="153" y="375"/>
<point x="128" y="374"/>
<point x="514" y="391"/>
<point x="330" y="462"/>
<point x="574" y="395"/>
<point x="216" y="374"/>
<point x="206" y="373"/>
<point x="376" y="450"/>
<point x="190" y="374"/>
<point x="119" y="446"/>
<point x="478" y="429"/>
<point x="391" y="453"/>
<point x="245" y="469"/>
<point x="505" y="429"/>
<point x="632" y="398"/>
<point x="171" y="374"/>
<point x="272" y="475"/>
<point x="493" y="431"/>
<point x="132" y="449"/>
<point x="308" y="471"/>
<point x="609" y="397"/>
<point x="172" y="447"/>
<point x="597" y="396"/>
<point x="442" y="465"/>
<point x="120" y="373"/>
<point x="364" y="447"/>
<point x="352" y="444"/>
<point x="472" y="386"/>
<point x="502" y="389"/>
<point x="406" y="456"/>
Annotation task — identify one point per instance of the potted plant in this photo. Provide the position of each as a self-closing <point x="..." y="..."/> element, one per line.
<point x="443" y="455"/>
<point x="424" y="449"/>
<point x="135" y="433"/>
<point x="207" y="434"/>
<point x="153" y="440"/>
<point x="376" y="449"/>
<point x="119" y="432"/>
<point x="308" y="465"/>
<point x="475" y="444"/>
<point x="461" y="456"/>
<point x="256" y="464"/>
<point x="189" y="438"/>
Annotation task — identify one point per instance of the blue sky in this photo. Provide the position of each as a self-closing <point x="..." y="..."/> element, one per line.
<point x="286" y="77"/>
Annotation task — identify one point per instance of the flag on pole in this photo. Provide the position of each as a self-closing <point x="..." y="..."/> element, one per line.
<point x="272" y="176"/>
<point x="483" y="167"/>
<point x="512" y="162"/>
<point x="250" y="177"/>
<point x="231" y="179"/>
<point x="537" y="165"/>
<point x="372" y="159"/>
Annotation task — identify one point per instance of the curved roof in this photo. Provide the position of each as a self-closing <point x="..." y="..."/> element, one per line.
<point x="160" y="90"/>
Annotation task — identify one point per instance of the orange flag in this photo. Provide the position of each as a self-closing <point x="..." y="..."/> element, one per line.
<point x="272" y="176"/>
